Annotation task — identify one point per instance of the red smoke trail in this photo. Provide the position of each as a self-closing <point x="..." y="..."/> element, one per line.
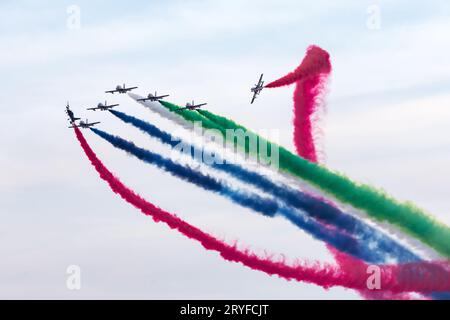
<point x="324" y="275"/>
<point x="316" y="61"/>
<point x="348" y="263"/>
<point x="310" y="78"/>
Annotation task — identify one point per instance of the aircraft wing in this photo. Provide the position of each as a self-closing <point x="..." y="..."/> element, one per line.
<point x="93" y="123"/>
<point x="111" y="91"/>
<point x="260" y="78"/>
<point x="113" y="105"/>
<point x="93" y="109"/>
<point x="161" y="97"/>
<point x="131" y="88"/>
<point x="254" y="97"/>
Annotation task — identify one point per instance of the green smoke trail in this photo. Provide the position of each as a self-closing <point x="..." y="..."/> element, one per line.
<point x="211" y="121"/>
<point x="376" y="203"/>
<point x="191" y="116"/>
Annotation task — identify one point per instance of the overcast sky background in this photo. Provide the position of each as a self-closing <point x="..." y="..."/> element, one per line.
<point x="387" y="123"/>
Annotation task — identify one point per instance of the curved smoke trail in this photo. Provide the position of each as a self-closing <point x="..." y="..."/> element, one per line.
<point x="431" y="227"/>
<point x="316" y="61"/>
<point x="268" y="207"/>
<point x="181" y="118"/>
<point x="376" y="203"/>
<point x="421" y="277"/>
<point x="340" y="241"/>
<point x="310" y="78"/>
<point x="320" y="210"/>
<point x="183" y="122"/>
<point x="324" y="211"/>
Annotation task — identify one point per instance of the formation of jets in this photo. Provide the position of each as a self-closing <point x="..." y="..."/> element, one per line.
<point x="153" y="97"/>
<point x="256" y="90"/>
<point x="192" y="106"/>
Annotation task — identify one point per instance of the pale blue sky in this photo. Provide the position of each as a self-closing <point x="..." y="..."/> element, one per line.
<point x="388" y="123"/>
